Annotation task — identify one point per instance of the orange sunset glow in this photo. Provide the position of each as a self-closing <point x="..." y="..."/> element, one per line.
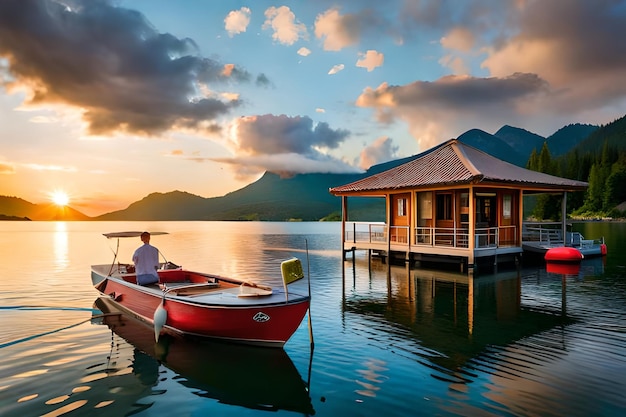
<point x="169" y="101"/>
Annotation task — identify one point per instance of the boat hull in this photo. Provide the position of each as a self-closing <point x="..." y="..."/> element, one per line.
<point x="587" y="252"/>
<point x="219" y="314"/>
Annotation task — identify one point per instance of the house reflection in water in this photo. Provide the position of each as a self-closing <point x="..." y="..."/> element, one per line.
<point x="454" y="316"/>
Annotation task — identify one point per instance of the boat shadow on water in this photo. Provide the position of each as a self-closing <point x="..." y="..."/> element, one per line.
<point x="234" y="374"/>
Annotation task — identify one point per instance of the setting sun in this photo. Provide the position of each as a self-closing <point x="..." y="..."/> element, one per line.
<point x="60" y="198"/>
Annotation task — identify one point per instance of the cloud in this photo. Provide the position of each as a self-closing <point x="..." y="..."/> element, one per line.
<point x="335" y="69"/>
<point x="263" y="81"/>
<point x="415" y="18"/>
<point x="381" y="150"/>
<point x="304" y="51"/>
<point x="237" y="21"/>
<point x="287" y="30"/>
<point x="370" y="60"/>
<point x="546" y="64"/>
<point x="455" y="63"/>
<point x="335" y="30"/>
<point x="44" y="119"/>
<point x="577" y="46"/>
<point x="340" y="31"/>
<point x="285" y="164"/>
<point x="437" y="110"/>
<point x="41" y="167"/>
<point x="285" y="144"/>
<point x="269" y="134"/>
<point x="459" y="39"/>
<point x="6" y="168"/>
<point x="112" y="64"/>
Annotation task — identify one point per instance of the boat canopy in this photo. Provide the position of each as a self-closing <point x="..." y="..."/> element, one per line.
<point x="129" y="234"/>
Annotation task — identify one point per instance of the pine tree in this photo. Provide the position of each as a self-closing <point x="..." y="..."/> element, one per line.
<point x="594" y="196"/>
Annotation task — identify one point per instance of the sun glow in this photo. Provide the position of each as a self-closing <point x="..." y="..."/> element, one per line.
<point x="60" y="198"/>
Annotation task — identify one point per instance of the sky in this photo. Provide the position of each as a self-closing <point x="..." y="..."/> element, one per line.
<point x="106" y="102"/>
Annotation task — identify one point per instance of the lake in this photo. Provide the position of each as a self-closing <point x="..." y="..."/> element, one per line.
<point x="390" y="341"/>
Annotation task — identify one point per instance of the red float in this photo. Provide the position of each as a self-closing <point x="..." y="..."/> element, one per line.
<point x="563" y="254"/>
<point x="603" y="249"/>
<point x="563" y="268"/>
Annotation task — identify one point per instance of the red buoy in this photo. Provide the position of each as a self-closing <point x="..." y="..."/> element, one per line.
<point x="563" y="254"/>
<point x="563" y="268"/>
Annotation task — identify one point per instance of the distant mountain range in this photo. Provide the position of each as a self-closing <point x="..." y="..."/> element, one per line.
<point x="306" y="196"/>
<point x="14" y="208"/>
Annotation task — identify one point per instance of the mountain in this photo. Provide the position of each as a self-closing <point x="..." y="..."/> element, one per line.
<point x="272" y="198"/>
<point x="494" y="146"/>
<point x="306" y="196"/>
<point x="13" y="207"/>
<point x="521" y="140"/>
<point x="176" y="205"/>
<point x="568" y="137"/>
<point x="614" y="134"/>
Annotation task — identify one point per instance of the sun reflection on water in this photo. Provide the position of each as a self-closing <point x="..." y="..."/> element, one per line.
<point x="60" y="247"/>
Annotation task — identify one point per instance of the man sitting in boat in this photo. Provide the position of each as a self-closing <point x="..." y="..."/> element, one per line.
<point x="146" y="260"/>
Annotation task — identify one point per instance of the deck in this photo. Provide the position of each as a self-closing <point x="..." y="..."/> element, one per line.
<point x="431" y="243"/>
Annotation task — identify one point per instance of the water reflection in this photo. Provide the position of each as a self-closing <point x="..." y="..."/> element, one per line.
<point x="256" y="378"/>
<point x="60" y="247"/>
<point x="453" y="317"/>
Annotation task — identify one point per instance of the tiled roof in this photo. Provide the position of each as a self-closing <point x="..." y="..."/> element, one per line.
<point x="453" y="163"/>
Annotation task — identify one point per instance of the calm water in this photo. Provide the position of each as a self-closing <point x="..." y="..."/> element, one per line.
<point x="392" y="342"/>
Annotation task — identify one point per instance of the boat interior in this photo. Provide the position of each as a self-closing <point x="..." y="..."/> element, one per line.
<point x="181" y="282"/>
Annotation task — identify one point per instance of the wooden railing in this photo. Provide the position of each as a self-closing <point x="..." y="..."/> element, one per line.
<point x="486" y="237"/>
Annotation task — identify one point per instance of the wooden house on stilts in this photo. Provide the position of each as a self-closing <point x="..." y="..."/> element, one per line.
<point x="451" y="203"/>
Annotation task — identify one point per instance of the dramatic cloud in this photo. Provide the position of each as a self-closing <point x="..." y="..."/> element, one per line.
<point x="418" y="17"/>
<point x="269" y="134"/>
<point x="431" y="109"/>
<point x="287" y="30"/>
<point x="237" y="21"/>
<point x="547" y="64"/>
<point x="370" y="60"/>
<point x="381" y="150"/>
<point x="111" y="63"/>
<point x="577" y="46"/>
<point x="286" y="144"/>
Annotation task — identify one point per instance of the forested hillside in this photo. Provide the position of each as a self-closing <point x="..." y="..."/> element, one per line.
<point x="600" y="160"/>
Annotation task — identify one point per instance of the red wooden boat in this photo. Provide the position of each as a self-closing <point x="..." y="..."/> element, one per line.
<point x="207" y="305"/>
<point x="237" y="374"/>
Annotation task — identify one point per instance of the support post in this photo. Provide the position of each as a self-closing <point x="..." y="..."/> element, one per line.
<point x="564" y="216"/>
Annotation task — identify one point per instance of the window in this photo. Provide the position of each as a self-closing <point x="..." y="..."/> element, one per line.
<point x="425" y="204"/>
<point x="464" y="206"/>
<point x="506" y="206"/>
<point x="444" y="206"/>
<point x="402" y="207"/>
